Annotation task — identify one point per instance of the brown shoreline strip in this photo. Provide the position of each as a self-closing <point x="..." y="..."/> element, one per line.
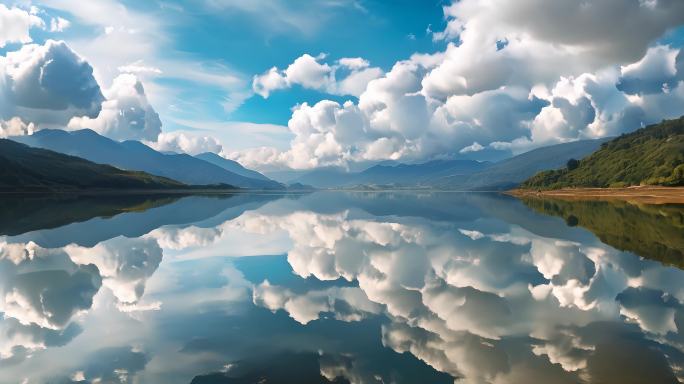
<point x="646" y="195"/>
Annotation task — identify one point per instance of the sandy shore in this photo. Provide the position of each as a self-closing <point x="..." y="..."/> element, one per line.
<point x="646" y="195"/>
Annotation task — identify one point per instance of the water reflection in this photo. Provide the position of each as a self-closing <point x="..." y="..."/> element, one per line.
<point x="652" y="231"/>
<point x="340" y="287"/>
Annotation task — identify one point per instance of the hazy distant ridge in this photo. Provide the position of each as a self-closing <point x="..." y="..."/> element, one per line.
<point x="456" y="174"/>
<point x="134" y="155"/>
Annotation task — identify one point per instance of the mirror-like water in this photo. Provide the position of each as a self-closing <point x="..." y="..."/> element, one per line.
<point x="340" y="287"/>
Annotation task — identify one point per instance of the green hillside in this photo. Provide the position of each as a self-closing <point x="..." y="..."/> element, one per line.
<point x="649" y="156"/>
<point x="24" y="169"/>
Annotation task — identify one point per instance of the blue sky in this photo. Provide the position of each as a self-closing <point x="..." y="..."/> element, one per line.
<point x="245" y="44"/>
<point x="280" y="84"/>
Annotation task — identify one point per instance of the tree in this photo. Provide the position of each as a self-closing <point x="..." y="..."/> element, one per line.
<point x="573" y="164"/>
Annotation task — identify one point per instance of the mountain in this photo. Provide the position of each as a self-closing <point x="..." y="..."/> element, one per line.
<point x="24" y="169"/>
<point x="419" y="174"/>
<point x="134" y="155"/>
<point x="509" y="173"/>
<point x="466" y="175"/>
<point x="230" y="165"/>
<point x="649" y="156"/>
<point x="300" y="187"/>
<point x="400" y="175"/>
<point x="325" y="178"/>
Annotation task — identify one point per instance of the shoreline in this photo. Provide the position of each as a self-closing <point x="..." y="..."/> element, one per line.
<point x="646" y="195"/>
<point x="145" y="192"/>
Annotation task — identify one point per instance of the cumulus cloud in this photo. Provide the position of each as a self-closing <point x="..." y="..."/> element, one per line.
<point x="59" y="24"/>
<point x="591" y="30"/>
<point x="51" y="86"/>
<point x="15" y="127"/>
<point x="654" y="73"/>
<point x="474" y="147"/>
<point x="16" y="24"/>
<point x="126" y="113"/>
<point x="309" y="72"/>
<point x="521" y="76"/>
<point x="183" y="142"/>
<point x="47" y="85"/>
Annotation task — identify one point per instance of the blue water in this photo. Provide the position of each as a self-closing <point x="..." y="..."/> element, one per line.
<point x="326" y="287"/>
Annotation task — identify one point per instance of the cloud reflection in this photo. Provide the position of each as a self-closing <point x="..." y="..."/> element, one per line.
<point x="463" y="300"/>
<point x="368" y="287"/>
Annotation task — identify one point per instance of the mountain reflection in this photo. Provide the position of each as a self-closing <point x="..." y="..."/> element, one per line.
<point x="339" y="287"/>
<point x="652" y="231"/>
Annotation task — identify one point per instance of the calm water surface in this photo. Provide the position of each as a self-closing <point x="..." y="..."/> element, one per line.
<point x="340" y="287"/>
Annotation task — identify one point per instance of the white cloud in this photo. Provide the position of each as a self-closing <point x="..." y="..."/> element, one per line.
<point x="47" y="85"/>
<point x="568" y="70"/>
<point x="308" y="71"/>
<point x="474" y="147"/>
<point x="126" y="114"/>
<point x="15" y="127"/>
<point x="656" y="70"/>
<point x="590" y="31"/>
<point x="270" y="81"/>
<point x="16" y="24"/>
<point x="59" y="24"/>
<point x="185" y="142"/>
<point x="354" y="62"/>
<point x="139" y="67"/>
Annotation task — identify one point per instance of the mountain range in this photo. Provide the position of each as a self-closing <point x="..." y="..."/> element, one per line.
<point x="26" y="169"/>
<point x="466" y="175"/>
<point x="653" y="155"/>
<point x="212" y="169"/>
<point x="231" y="166"/>
<point x="134" y="155"/>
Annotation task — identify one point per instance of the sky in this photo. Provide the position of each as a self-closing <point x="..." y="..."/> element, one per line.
<point x="294" y="84"/>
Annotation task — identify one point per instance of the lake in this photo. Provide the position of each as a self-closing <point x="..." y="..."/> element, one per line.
<point x="334" y="287"/>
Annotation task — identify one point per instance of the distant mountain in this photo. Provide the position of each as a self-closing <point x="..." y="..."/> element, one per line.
<point x="300" y="187"/>
<point x="466" y="175"/>
<point x="325" y="178"/>
<point x="133" y="155"/>
<point x="649" y="156"/>
<point x="509" y="173"/>
<point x="400" y="175"/>
<point x="419" y="174"/>
<point x="25" y="169"/>
<point x="230" y="165"/>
